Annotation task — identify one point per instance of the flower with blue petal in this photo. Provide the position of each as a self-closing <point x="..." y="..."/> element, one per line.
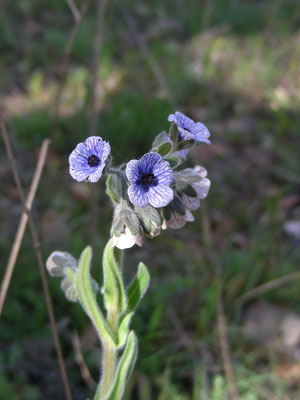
<point x="150" y="178"/>
<point x="87" y="160"/>
<point x="188" y="129"/>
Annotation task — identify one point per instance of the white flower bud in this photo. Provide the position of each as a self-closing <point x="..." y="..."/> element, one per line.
<point x="126" y="239"/>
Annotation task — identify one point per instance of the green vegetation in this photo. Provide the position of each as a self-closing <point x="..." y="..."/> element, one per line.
<point x="234" y="66"/>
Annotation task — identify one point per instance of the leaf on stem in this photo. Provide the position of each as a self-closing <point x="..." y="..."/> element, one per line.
<point x="87" y="296"/>
<point x="138" y="287"/>
<point x="114" y="292"/>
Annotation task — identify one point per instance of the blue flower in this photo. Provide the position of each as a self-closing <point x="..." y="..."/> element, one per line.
<point x="87" y="161"/>
<point x="188" y="129"/>
<point x="150" y="179"/>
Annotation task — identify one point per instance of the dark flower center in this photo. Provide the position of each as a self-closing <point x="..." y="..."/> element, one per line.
<point x="93" y="161"/>
<point x="148" y="179"/>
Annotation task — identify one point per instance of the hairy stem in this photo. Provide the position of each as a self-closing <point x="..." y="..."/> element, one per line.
<point x="109" y="359"/>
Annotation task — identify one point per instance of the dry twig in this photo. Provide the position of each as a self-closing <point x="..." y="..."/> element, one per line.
<point x="224" y="343"/>
<point x="38" y="252"/>
<point x="22" y="224"/>
<point x="273" y="284"/>
<point x="101" y="7"/>
<point x="74" y="9"/>
<point x="81" y="362"/>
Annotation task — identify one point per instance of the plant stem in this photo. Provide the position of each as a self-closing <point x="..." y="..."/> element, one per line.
<point x="109" y="358"/>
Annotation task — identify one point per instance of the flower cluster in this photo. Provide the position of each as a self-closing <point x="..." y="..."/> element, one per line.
<point x="153" y="192"/>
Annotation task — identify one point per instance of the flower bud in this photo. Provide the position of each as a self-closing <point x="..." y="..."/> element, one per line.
<point x="61" y="264"/>
<point x="58" y="261"/>
<point x="150" y="220"/>
<point x="126" y="228"/>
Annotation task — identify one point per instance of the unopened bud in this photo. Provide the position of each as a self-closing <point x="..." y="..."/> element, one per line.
<point x="58" y="261"/>
<point x="150" y="220"/>
<point x="126" y="228"/>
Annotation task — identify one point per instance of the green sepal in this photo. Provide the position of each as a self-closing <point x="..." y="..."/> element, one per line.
<point x="160" y="139"/>
<point x="189" y="191"/>
<point x="123" y="330"/>
<point x="124" y="369"/>
<point x="138" y="287"/>
<point x="125" y="216"/>
<point x="114" y="293"/>
<point x="173" y="161"/>
<point x="88" y="299"/>
<point x="116" y="186"/>
<point x="167" y="213"/>
<point x="185" y="144"/>
<point x="174" y="133"/>
<point x="178" y="206"/>
<point x="68" y="285"/>
<point x="164" y="148"/>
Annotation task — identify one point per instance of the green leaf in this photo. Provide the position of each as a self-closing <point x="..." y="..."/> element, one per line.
<point x="138" y="287"/>
<point x="164" y="148"/>
<point x="124" y="369"/>
<point x="123" y="330"/>
<point x="87" y="297"/>
<point x="114" y="293"/>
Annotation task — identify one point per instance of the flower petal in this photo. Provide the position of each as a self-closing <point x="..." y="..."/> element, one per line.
<point x="185" y="134"/>
<point x="132" y="170"/>
<point x="201" y="133"/>
<point x="202" y="187"/>
<point x="78" y="174"/>
<point x="160" y="196"/>
<point x="163" y="172"/>
<point x="189" y="216"/>
<point x="176" y="221"/>
<point x="172" y="118"/>
<point x="125" y="240"/>
<point x="184" y="122"/>
<point x="105" y="150"/>
<point x="79" y="154"/>
<point x="96" y="175"/>
<point x="192" y="203"/>
<point x="138" y="196"/>
<point x="201" y="171"/>
<point x="94" y="145"/>
<point x="148" y="161"/>
<point x="181" y="153"/>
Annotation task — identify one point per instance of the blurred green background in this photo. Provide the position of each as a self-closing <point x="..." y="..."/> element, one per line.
<point x="233" y="65"/>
